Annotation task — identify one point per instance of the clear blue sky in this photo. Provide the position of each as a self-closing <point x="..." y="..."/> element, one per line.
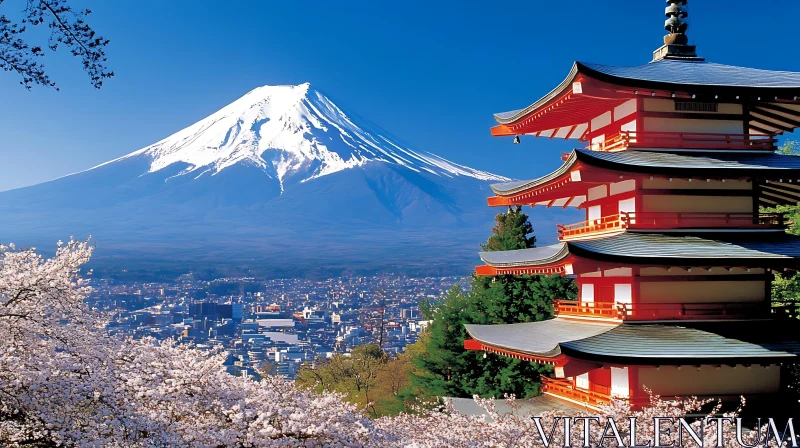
<point x="430" y="72"/>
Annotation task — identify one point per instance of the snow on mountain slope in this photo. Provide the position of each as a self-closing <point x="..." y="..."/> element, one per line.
<point x="281" y="177"/>
<point x="292" y="133"/>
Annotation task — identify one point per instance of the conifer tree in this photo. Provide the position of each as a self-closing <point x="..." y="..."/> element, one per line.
<point x="449" y="369"/>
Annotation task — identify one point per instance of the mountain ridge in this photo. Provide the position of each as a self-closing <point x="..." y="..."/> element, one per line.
<point x="279" y="164"/>
<point x="247" y="130"/>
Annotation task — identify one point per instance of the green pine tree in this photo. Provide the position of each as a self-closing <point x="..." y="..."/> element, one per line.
<point x="449" y="369"/>
<point x="786" y="287"/>
<point x="512" y="231"/>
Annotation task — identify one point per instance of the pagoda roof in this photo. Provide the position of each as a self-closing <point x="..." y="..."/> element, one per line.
<point x="516" y="186"/>
<point x="652" y="162"/>
<point x="669" y="74"/>
<point x="641" y="248"/>
<point x="603" y="87"/>
<point x="535" y="256"/>
<point x="632" y="343"/>
<point x="781" y="168"/>
<point x="549" y="335"/>
<point x="700" y="341"/>
<point x="675" y="73"/>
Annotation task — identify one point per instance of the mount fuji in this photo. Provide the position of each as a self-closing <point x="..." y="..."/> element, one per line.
<point x="281" y="180"/>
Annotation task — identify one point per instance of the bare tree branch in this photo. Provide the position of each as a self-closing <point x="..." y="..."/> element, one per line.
<point x="67" y="27"/>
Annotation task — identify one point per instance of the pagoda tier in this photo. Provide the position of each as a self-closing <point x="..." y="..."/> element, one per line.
<point x="684" y="343"/>
<point x="675" y="260"/>
<point x="652" y="307"/>
<point x="776" y="250"/>
<point x="594" y="361"/>
<point x="597" y="102"/>
<point x="773" y="178"/>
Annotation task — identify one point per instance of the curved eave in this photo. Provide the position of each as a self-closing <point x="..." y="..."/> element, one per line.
<point x="742" y="342"/>
<point x="662" y="162"/>
<point x="564" y="187"/>
<point x="632" y="248"/>
<point x="557" y="341"/>
<point x="505" y="118"/>
<point x="511" y="188"/>
<point x="728" y="165"/>
<point x="545" y="256"/>
<point x="709" y="80"/>
<point x="778" y="175"/>
<point x="517" y="338"/>
<point x="769" y="250"/>
<point x="695" y="87"/>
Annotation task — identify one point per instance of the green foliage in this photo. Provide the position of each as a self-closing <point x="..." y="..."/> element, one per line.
<point x="354" y="374"/>
<point x="450" y="370"/>
<point x="512" y="231"/>
<point x="789" y="148"/>
<point x="786" y="288"/>
<point x="791" y="214"/>
<point x="438" y="364"/>
<point x="509" y="299"/>
<point x="445" y="362"/>
<point x="368" y="378"/>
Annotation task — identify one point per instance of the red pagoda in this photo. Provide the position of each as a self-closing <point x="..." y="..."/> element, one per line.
<point x="674" y="262"/>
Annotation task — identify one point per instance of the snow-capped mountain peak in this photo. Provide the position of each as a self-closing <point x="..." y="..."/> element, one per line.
<point x="281" y="180"/>
<point x="292" y="133"/>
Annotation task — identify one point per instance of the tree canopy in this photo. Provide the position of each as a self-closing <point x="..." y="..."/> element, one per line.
<point x="368" y="378"/>
<point x="450" y="370"/>
<point x="68" y="28"/>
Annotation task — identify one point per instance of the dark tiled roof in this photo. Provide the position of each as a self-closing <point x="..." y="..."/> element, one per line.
<point x="536" y="338"/>
<point x="658" y="161"/>
<point x="634" y="247"/>
<point x="675" y="74"/>
<point x="526" y="257"/>
<point x="508" y="188"/>
<point x="743" y="340"/>
<point x="684" y="342"/>
<point x="507" y="117"/>
<point x="697" y="73"/>
<point x="661" y="162"/>
<point x="654" y="246"/>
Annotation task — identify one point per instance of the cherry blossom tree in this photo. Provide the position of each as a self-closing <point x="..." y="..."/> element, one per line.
<point x="608" y="427"/>
<point x="64" y="381"/>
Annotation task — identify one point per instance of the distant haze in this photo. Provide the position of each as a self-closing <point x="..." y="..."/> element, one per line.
<point x="281" y="181"/>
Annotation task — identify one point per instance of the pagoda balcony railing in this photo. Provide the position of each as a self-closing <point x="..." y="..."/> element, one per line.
<point x="667" y="220"/>
<point x="606" y="310"/>
<point x="687" y="140"/>
<point x="674" y="311"/>
<point x="594" y="397"/>
<point x="606" y="224"/>
<point x="565" y="389"/>
<point x="662" y="220"/>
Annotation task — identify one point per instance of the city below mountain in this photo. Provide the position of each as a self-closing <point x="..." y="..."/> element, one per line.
<point x="280" y="182"/>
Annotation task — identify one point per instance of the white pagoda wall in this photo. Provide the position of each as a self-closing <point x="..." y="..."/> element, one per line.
<point x="696" y="203"/>
<point x="652" y="124"/>
<point x="663" y="183"/>
<point x="657" y="124"/>
<point x="668" y="105"/>
<point x="709" y="380"/>
<point x="701" y="291"/>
